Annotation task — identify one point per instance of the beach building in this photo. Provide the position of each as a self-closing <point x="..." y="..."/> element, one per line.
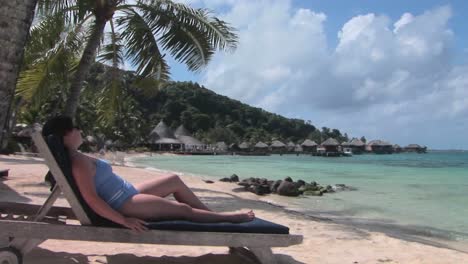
<point x="244" y="146"/>
<point x="331" y="146"/>
<point x="189" y="142"/>
<point x="278" y="146"/>
<point x="298" y="148"/>
<point x="379" y="147"/>
<point x="397" y="148"/>
<point x="309" y="146"/>
<point x="290" y="146"/>
<point x="261" y="146"/>
<point x="163" y="139"/>
<point x="415" y="148"/>
<point x="234" y="147"/>
<point x="356" y="145"/>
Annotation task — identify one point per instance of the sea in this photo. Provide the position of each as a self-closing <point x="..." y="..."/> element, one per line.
<point x="420" y="197"/>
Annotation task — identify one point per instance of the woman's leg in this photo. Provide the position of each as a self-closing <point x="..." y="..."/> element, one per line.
<point x="150" y="207"/>
<point x="171" y="184"/>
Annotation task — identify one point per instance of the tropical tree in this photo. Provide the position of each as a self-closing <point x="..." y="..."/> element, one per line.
<point x="15" y="19"/>
<point x="141" y="32"/>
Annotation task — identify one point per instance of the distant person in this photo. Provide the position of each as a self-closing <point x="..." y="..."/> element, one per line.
<point x="114" y="198"/>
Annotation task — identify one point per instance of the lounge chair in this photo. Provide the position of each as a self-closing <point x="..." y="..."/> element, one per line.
<point x="25" y="226"/>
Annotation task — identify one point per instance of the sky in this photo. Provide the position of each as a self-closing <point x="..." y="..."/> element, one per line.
<point x="391" y="70"/>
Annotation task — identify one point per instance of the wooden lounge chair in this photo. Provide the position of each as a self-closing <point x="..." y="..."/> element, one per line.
<point x="25" y="226"/>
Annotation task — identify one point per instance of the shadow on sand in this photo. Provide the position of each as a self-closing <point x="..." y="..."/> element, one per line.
<point x="42" y="256"/>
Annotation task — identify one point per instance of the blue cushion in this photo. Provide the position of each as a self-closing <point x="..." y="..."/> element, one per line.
<point x="258" y="225"/>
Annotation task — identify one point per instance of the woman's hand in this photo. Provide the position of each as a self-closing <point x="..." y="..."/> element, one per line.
<point x="135" y="224"/>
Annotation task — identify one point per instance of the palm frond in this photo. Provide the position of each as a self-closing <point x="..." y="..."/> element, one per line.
<point x="73" y="10"/>
<point x="221" y="34"/>
<point x="113" y="52"/>
<point x="142" y="48"/>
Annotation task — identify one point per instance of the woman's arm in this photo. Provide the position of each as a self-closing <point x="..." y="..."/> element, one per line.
<point x="83" y="173"/>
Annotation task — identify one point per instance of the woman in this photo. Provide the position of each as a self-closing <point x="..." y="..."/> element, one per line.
<point x="117" y="200"/>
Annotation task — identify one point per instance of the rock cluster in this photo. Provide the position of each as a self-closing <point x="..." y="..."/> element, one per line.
<point x="286" y="187"/>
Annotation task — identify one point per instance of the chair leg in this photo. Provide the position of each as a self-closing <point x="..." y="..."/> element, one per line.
<point x="264" y="255"/>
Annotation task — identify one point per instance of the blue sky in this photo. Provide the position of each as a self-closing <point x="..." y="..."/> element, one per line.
<point x="392" y="70"/>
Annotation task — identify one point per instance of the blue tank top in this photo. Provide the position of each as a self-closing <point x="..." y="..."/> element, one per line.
<point x="109" y="186"/>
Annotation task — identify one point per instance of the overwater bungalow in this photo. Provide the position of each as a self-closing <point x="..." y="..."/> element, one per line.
<point x="415" y="148"/>
<point x="162" y="138"/>
<point x="356" y="145"/>
<point x="309" y="146"/>
<point x="260" y="146"/>
<point x="290" y="146"/>
<point x="278" y="146"/>
<point x="244" y="146"/>
<point x="234" y="147"/>
<point x="331" y="146"/>
<point x="189" y="142"/>
<point x="298" y="148"/>
<point x="397" y="148"/>
<point x="379" y="147"/>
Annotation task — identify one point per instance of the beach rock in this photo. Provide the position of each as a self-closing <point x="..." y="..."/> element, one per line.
<point x="225" y="179"/>
<point x="287" y="188"/>
<point x="259" y="189"/>
<point x="313" y="183"/>
<point x="308" y="187"/>
<point x="301" y="182"/>
<point x="288" y="179"/>
<point x="234" y="178"/>
<point x="275" y="185"/>
<point x="208" y="181"/>
<point x="330" y="189"/>
<point x="313" y="193"/>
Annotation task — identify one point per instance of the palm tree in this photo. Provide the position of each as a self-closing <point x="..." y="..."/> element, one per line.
<point x="15" y="19"/>
<point x="140" y="31"/>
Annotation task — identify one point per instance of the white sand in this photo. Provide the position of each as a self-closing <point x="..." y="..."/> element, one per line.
<point x="324" y="242"/>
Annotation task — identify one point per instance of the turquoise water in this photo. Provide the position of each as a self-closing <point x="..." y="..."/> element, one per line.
<point x="426" y="194"/>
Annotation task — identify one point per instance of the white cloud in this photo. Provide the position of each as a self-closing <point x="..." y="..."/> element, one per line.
<point x="386" y="79"/>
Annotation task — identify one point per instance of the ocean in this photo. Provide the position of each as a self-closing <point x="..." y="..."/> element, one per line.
<point x="418" y="195"/>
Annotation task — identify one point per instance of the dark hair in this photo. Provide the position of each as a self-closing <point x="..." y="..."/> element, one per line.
<point x="59" y="126"/>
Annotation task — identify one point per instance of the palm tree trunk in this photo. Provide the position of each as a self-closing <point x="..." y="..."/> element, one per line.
<point x="15" y="20"/>
<point x="86" y="61"/>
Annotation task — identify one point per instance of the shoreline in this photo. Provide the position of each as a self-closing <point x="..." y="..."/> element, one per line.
<point x="324" y="241"/>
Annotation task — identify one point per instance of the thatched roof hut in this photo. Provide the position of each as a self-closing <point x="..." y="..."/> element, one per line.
<point x="331" y="145"/>
<point x="415" y="148"/>
<point x="298" y="148"/>
<point x="261" y="145"/>
<point x="184" y="136"/>
<point x="379" y="147"/>
<point x="163" y="131"/>
<point x="244" y="146"/>
<point x="309" y="143"/>
<point x="330" y="142"/>
<point x="182" y="131"/>
<point x="291" y="144"/>
<point x="309" y="146"/>
<point x="277" y="144"/>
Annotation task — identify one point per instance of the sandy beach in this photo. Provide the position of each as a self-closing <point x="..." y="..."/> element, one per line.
<point x="324" y="241"/>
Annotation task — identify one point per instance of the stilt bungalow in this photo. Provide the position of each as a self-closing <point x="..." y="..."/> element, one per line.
<point x="357" y="146"/>
<point x="397" y="148"/>
<point x="290" y="146"/>
<point x="331" y="146"/>
<point x="221" y="147"/>
<point x="278" y="146"/>
<point x="415" y="148"/>
<point x="261" y="147"/>
<point x="309" y="146"/>
<point x="379" y="147"/>
<point x="244" y="146"/>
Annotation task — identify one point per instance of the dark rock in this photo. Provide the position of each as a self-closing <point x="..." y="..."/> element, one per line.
<point x="329" y="189"/>
<point x="208" y="181"/>
<point x="225" y="179"/>
<point x="287" y="188"/>
<point x="313" y="193"/>
<point x="343" y="187"/>
<point x="308" y="187"/>
<point x="275" y="185"/>
<point x="313" y="183"/>
<point x="234" y="178"/>
<point x="288" y="179"/>
<point x="301" y="183"/>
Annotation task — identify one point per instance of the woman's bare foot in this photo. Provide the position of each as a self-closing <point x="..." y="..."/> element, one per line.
<point x="242" y="217"/>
